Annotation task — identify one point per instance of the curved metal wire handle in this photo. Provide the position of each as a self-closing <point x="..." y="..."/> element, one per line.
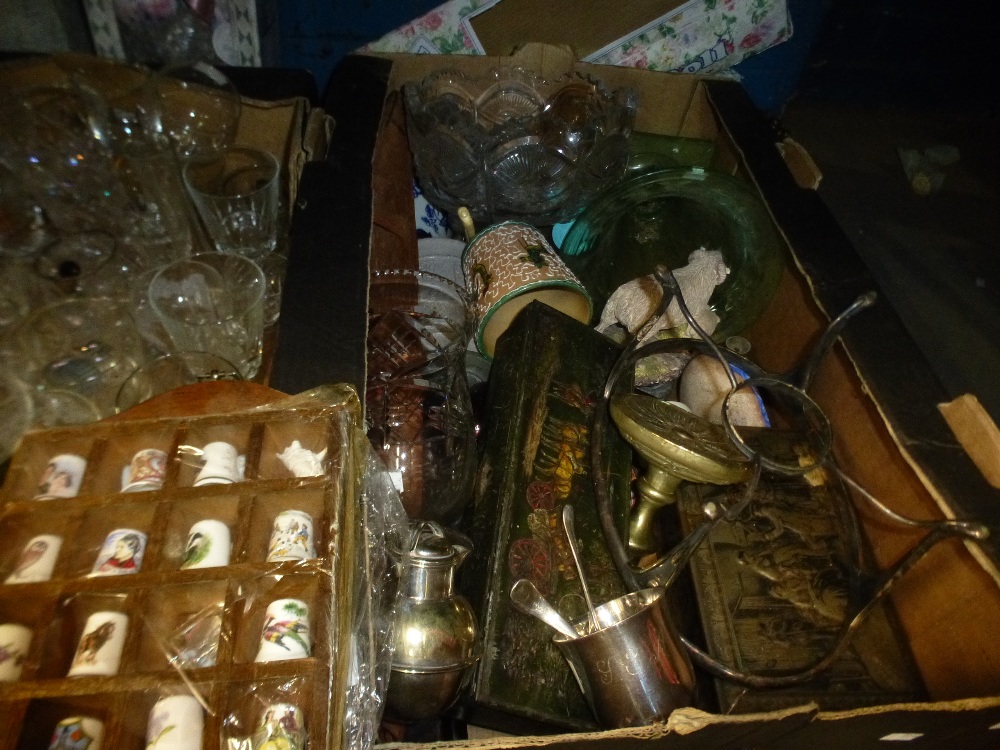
<point x="665" y="570"/>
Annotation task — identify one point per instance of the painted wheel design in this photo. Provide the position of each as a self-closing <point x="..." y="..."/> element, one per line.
<point x="529" y="558"/>
<point x="541" y="496"/>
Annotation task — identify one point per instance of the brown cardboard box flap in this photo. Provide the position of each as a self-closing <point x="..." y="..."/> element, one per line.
<point x="956" y="724"/>
<point x="793" y="729"/>
<point x="977" y="432"/>
<point x="686" y="728"/>
<point x="394" y="226"/>
<point x="872" y="449"/>
<point x="869" y="443"/>
<point x="799" y="162"/>
<point x="290" y="129"/>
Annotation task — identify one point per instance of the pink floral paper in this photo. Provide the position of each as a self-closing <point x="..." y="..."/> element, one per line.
<point x="443" y="31"/>
<point x="700" y="36"/>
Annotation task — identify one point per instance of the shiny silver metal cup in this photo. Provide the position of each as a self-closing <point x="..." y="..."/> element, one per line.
<point x="633" y="671"/>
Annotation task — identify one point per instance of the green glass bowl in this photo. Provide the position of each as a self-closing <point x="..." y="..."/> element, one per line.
<point x="660" y="218"/>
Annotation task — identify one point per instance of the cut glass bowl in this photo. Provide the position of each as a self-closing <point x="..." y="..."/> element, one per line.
<point x="511" y="145"/>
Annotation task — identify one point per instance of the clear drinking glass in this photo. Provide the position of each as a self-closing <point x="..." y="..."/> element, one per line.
<point x="91" y="264"/>
<point x="84" y="345"/>
<point x="274" y="266"/>
<point x="56" y="140"/>
<point x="55" y="407"/>
<point x="22" y="226"/>
<point x="237" y="194"/>
<point x="200" y="108"/>
<point x="418" y="407"/>
<point x="213" y="302"/>
<point x="159" y="215"/>
<point x="161" y="219"/>
<point x="16" y="413"/>
<point x="22" y="292"/>
<point x="171" y="371"/>
<point x="127" y="90"/>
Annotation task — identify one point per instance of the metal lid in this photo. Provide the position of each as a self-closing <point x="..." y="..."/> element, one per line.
<point x="430" y="543"/>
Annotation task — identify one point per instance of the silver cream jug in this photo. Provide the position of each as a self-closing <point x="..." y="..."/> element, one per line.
<point x="435" y="634"/>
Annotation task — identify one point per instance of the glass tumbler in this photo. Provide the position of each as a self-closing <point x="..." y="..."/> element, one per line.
<point x="87" y="346"/>
<point x="237" y="193"/>
<point x="16" y="413"/>
<point x="172" y="370"/>
<point x="88" y="264"/>
<point x="55" y="140"/>
<point x="213" y="302"/>
<point x="199" y="108"/>
<point x="419" y="412"/>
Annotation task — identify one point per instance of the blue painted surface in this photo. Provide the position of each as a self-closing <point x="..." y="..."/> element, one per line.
<point x="771" y="77"/>
<point x="316" y="34"/>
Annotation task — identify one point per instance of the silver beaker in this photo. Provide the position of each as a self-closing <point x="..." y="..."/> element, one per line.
<point x="633" y="671"/>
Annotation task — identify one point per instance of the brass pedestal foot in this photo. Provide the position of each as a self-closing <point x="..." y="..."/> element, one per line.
<point x="676" y="446"/>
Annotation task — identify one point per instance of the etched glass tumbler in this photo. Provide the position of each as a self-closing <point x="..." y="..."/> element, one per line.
<point x="418" y="408"/>
<point x="237" y="193"/>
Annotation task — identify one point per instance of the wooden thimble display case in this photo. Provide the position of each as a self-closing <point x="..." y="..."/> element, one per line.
<point x="190" y="629"/>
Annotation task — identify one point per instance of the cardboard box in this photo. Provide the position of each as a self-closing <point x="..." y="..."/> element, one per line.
<point x="277" y="108"/>
<point x="874" y="385"/>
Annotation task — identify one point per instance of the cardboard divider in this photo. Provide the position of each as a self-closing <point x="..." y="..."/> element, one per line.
<point x="229" y="507"/>
<point x="278" y="437"/>
<point x="977" y="432"/>
<point x="243" y="715"/>
<point x="176" y="606"/>
<point x="252" y="601"/>
<point x="131" y="724"/>
<point x="63" y="633"/>
<point x="266" y="508"/>
<point x="42" y="715"/>
<point x="113" y="472"/>
<point x="20" y="528"/>
<point x="27" y="470"/>
<point x="88" y="545"/>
